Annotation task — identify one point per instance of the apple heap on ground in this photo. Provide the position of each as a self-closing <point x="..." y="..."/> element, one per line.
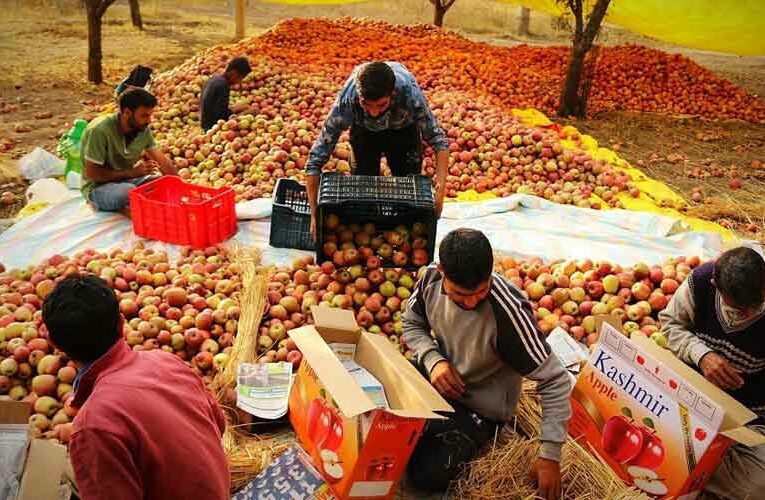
<point x="295" y="80"/>
<point x="377" y="296"/>
<point x="190" y="309"/>
<point x="569" y="294"/>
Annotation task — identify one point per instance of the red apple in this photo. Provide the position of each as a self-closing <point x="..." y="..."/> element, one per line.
<point x="295" y="357"/>
<point x="652" y="454"/>
<point x="621" y="439"/>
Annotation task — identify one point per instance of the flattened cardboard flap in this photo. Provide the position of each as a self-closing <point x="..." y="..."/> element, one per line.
<point x="350" y="398"/>
<point x="42" y="473"/>
<point x="746" y="436"/>
<point x="15" y="412"/>
<point x="335" y="325"/>
<point x="409" y="394"/>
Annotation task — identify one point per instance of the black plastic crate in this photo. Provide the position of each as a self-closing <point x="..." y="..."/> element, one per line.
<point x="386" y="202"/>
<point x="291" y="217"/>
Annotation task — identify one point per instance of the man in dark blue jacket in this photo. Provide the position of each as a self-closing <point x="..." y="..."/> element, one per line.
<point x="214" y="100"/>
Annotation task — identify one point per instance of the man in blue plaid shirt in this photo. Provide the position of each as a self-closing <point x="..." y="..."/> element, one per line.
<point x="387" y="114"/>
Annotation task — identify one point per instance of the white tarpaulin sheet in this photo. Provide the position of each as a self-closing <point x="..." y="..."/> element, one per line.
<point x="520" y="226"/>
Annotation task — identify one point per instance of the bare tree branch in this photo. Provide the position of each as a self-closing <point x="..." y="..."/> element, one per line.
<point x="594" y="22"/>
<point x="104" y="5"/>
<point x="444" y="4"/>
<point x="576" y="8"/>
<point x="440" y="9"/>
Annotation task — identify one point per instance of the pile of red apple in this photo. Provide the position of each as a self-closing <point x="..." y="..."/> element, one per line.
<point x="364" y="244"/>
<point x="295" y="80"/>
<point x="188" y="309"/>
<point x="377" y="297"/>
<point x="629" y="77"/>
<point x="569" y="294"/>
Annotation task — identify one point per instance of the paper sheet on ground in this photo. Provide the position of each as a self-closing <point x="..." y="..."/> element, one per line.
<point x="520" y="226"/>
<point x="263" y="388"/>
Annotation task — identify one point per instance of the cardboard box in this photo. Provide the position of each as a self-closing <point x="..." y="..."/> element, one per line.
<point x="361" y="450"/>
<point x="657" y="422"/>
<point x="44" y="461"/>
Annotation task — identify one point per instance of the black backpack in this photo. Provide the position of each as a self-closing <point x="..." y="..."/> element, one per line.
<point x="138" y="77"/>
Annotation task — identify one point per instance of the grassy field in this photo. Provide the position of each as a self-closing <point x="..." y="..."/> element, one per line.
<point x="43" y="83"/>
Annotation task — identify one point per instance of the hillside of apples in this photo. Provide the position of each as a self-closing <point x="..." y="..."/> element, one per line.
<point x="489" y="149"/>
<point x="299" y="65"/>
<point x="190" y="309"/>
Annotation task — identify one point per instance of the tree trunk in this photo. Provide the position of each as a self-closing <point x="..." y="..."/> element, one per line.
<point x="239" y="18"/>
<point x="570" y="102"/>
<point x="95" y="72"/>
<point x="440" y="12"/>
<point x="524" y="21"/>
<point x="135" y="14"/>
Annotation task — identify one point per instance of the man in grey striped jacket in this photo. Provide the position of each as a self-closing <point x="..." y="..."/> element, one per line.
<point x="475" y="338"/>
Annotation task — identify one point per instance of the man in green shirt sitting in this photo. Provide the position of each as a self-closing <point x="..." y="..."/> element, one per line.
<point x="111" y="148"/>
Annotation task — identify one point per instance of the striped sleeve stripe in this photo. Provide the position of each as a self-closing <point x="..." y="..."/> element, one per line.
<point x="528" y="332"/>
<point x="426" y="278"/>
<point x="532" y="351"/>
<point x="413" y="299"/>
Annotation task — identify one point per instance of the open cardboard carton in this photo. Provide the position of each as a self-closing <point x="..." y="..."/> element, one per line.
<point x="657" y="422"/>
<point x="361" y="450"/>
<point x="44" y="461"/>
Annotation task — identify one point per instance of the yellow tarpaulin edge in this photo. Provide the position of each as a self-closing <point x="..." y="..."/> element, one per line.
<point x="730" y="26"/>
<point x="314" y="2"/>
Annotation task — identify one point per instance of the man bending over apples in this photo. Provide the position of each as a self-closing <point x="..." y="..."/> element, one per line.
<point x="484" y="342"/>
<point x="387" y="113"/>
<point x="715" y="322"/>
<point x="111" y="148"/>
<point x="215" y="96"/>
<point x="146" y="426"/>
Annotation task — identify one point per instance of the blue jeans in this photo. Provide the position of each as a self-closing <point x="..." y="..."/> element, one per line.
<point x="113" y="196"/>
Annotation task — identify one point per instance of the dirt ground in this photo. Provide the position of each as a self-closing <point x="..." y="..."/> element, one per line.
<point x="43" y="86"/>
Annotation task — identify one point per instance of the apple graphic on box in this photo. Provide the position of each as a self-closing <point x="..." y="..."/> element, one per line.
<point x="700" y="434"/>
<point x="647" y="480"/>
<point x="335" y="432"/>
<point x="317" y="430"/>
<point x="332" y="466"/>
<point x="621" y="438"/>
<point x="652" y="454"/>
<point x="325" y="427"/>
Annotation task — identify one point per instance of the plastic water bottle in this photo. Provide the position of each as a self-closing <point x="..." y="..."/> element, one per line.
<point x="69" y="147"/>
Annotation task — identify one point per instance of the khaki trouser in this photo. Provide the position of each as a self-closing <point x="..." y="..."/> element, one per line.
<point x="741" y="474"/>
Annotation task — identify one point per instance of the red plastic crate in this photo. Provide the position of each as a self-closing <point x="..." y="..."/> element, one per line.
<point x="168" y="209"/>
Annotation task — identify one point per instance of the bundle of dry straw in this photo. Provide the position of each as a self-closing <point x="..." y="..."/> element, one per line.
<point x="248" y="453"/>
<point x="252" y="302"/>
<point x="502" y="473"/>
